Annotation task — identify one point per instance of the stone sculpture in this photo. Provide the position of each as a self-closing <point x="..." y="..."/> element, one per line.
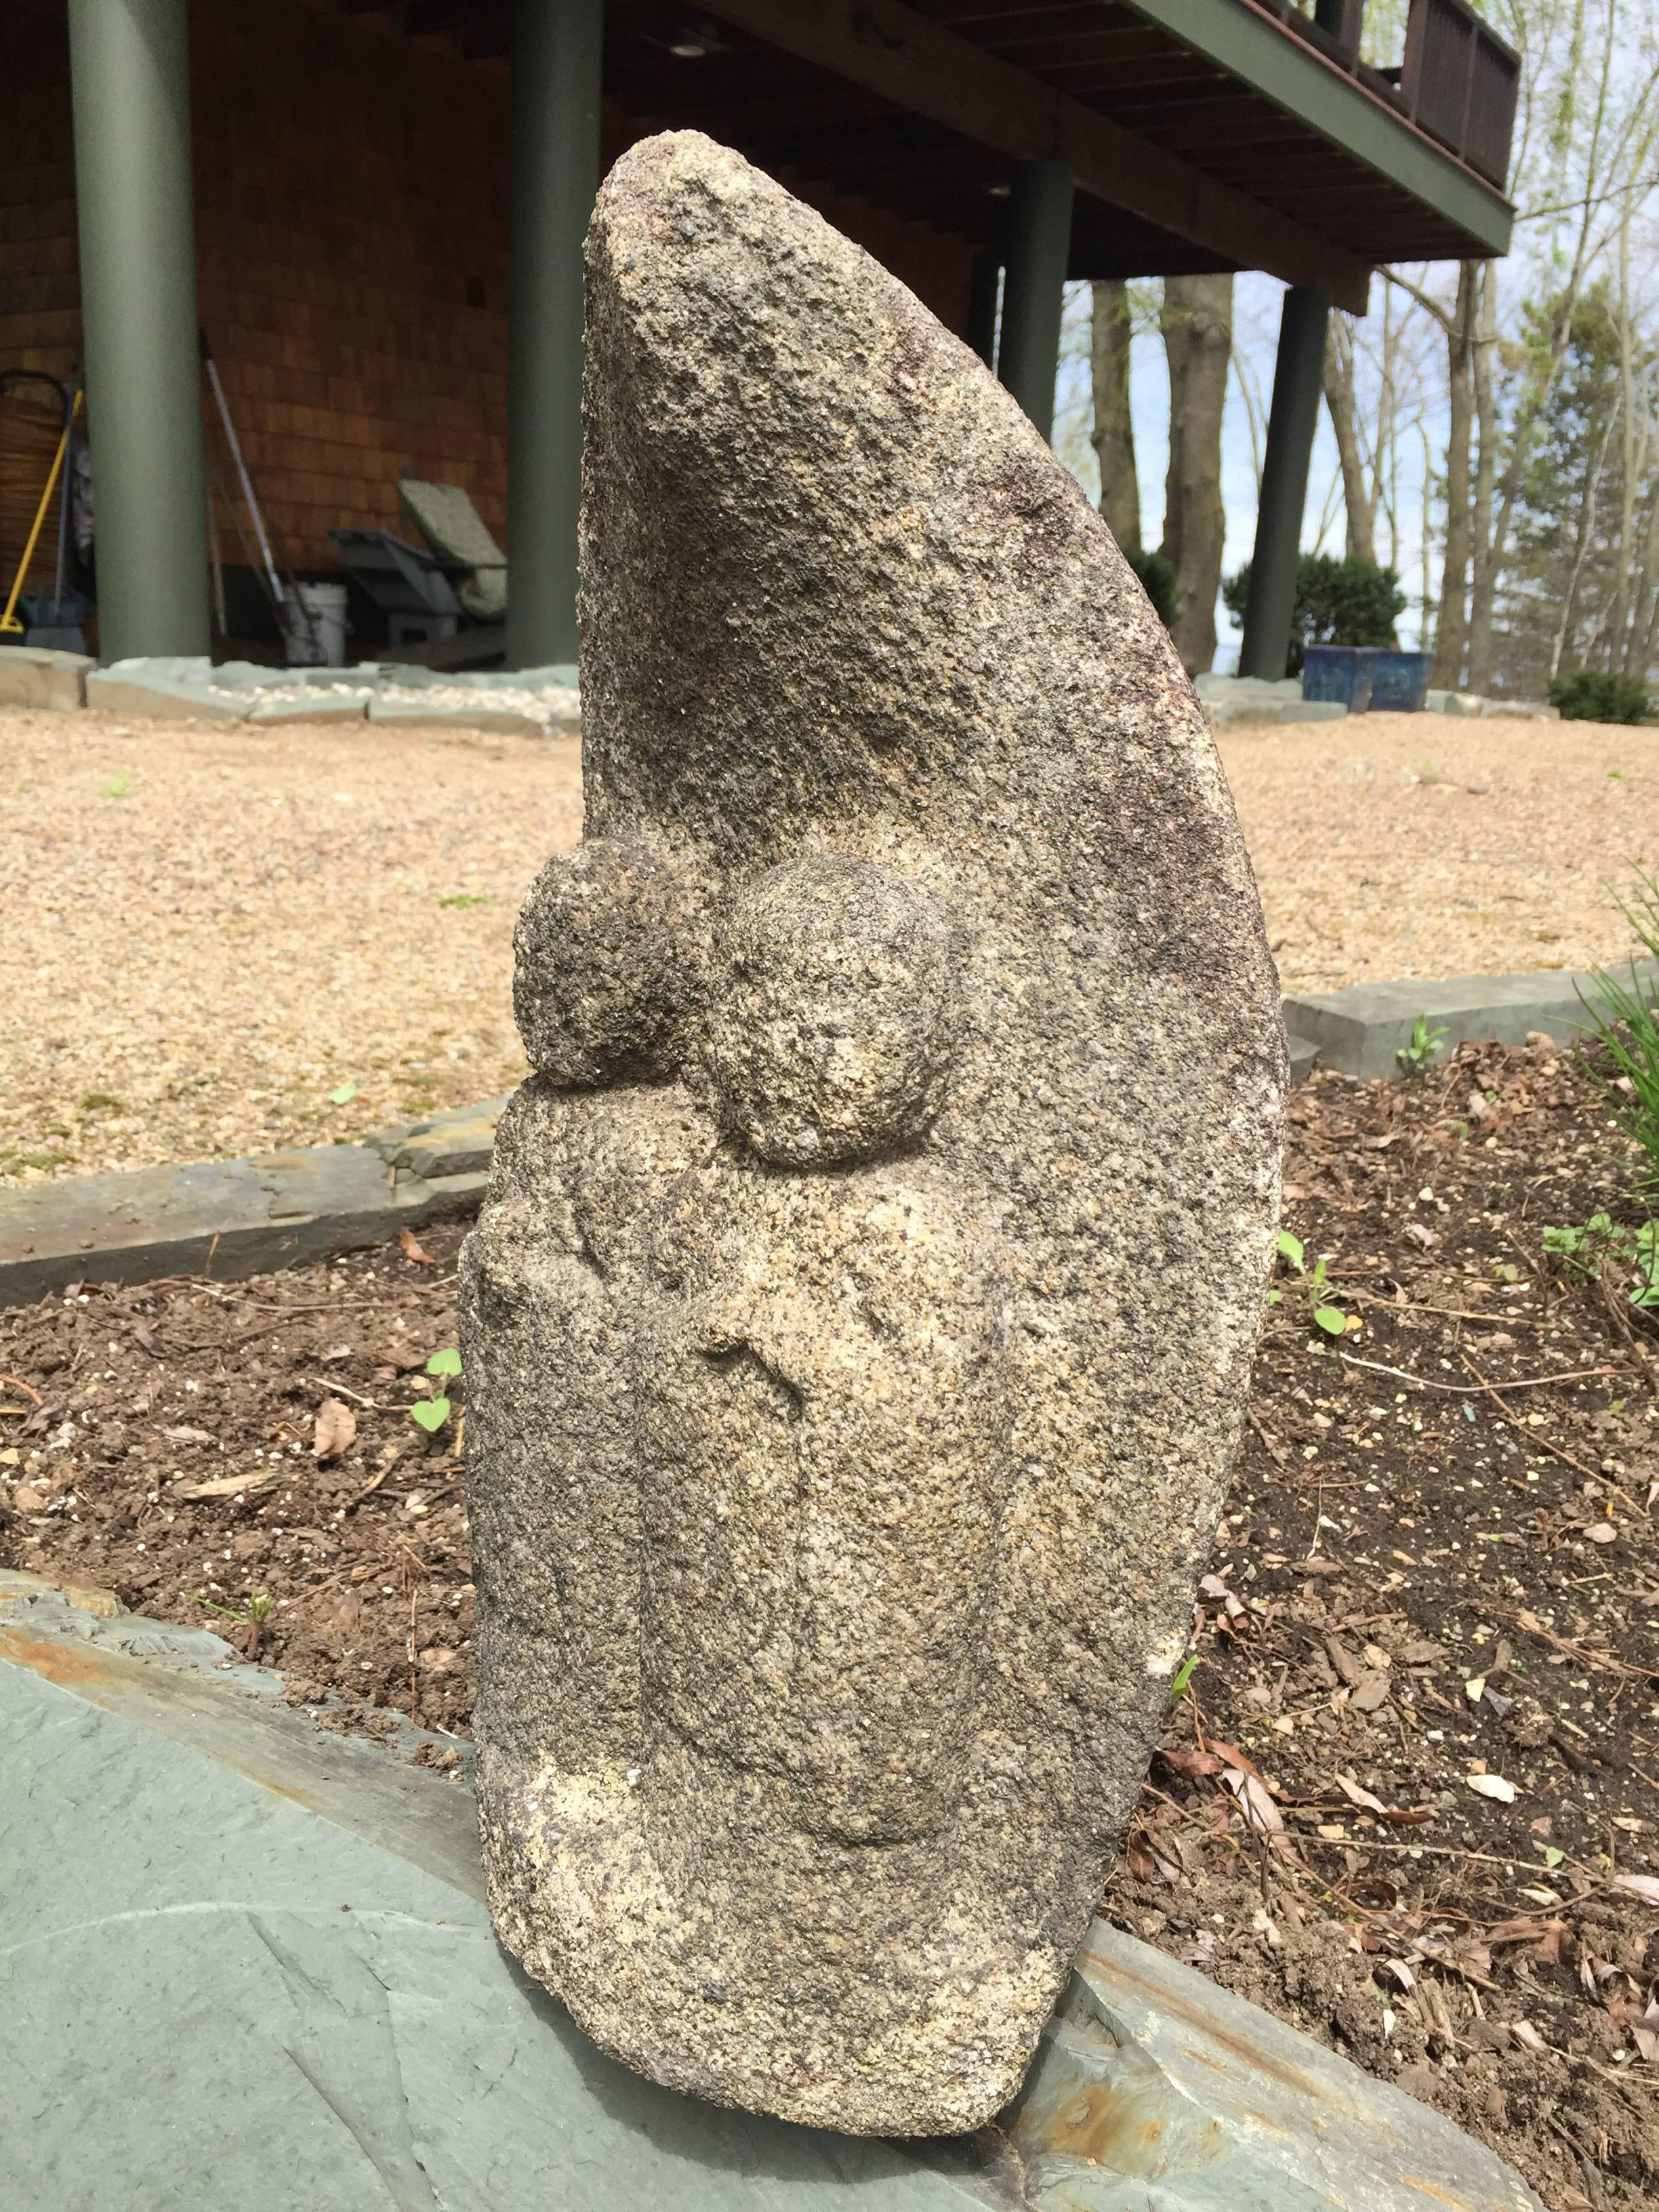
<point x="858" y="1329"/>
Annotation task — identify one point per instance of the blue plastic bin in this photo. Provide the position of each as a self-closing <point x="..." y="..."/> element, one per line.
<point x="1366" y="676"/>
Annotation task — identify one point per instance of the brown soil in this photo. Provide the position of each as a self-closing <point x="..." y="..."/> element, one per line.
<point x="1420" y="1585"/>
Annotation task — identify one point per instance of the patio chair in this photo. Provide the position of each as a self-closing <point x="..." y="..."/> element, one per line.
<point x="406" y="582"/>
<point x="451" y="524"/>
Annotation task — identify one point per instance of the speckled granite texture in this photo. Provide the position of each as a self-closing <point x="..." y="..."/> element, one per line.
<point x="857" y="1334"/>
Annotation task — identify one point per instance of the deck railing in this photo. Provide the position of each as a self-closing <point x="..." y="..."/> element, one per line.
<point x="1458" y="80"/>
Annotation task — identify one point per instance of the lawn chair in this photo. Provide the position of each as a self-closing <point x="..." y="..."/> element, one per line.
<point x="445" y="517"/>
<point x="406" y="583"/>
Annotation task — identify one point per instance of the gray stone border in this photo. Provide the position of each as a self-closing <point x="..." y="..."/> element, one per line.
<point x="233" y="1218"/>
<point x="1362" y="1030"/>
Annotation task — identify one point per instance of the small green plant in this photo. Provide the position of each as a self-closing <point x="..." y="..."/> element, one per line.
<point x="431" y="1414"/>
<point x="259" y="1609"/>
<point x="1624" y="1021"/>
<point x="1584" y="1252"/>
<point x="1420" y="1055"/>
<point x="465" y="898"/>
<point x="1177" y="1688"/>
<point x="1329" y="1317"/>
<point x="1595" y="695"/>
<point x="118" y="785"/>
<point x="343" y="1094"/>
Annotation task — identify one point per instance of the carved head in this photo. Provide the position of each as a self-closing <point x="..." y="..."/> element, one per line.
<point x="822" y="1016"/>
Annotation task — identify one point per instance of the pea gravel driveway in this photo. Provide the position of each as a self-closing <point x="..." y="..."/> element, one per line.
<point x="208" y="931"/>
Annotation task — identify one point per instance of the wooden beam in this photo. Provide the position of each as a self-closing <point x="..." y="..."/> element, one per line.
<point x="892" y="50"/>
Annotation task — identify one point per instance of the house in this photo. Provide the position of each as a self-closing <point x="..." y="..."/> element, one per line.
<point x="373" y="210"/>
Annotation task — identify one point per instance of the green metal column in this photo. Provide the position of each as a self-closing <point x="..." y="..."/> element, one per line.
<point x="557" y="59"/>
<point x="131" y="76"/>
<point x="1034" y="287"/>
<point x="1298" y="380"/>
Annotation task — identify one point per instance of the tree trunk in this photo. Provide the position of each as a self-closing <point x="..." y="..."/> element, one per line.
<point x="1198" y="339"/>
<point x="1113" y="434"/>
<point x="1339" y="398"/>
<point x="1451" y="627"/>
<point x="1483" y="584"/>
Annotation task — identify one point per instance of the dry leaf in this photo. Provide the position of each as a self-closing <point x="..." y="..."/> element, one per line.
<point x="1645" y="1886"/>
<point x="29" y="1501"/>
<point x="414" y="1249"/>
<point x="1352" y="1790"/>
<point x="227" y="1486"/>
<point x="1194" y="1764"/>
<point x="1494" y="1786"/>
<point x="336" y="1430"/>
<point x="1259" y="1809"/>
<point x="187" y="1436"/>
<point x="1527" y="2036"/>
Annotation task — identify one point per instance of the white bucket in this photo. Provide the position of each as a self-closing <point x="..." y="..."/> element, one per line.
<point x="314" y="630"/>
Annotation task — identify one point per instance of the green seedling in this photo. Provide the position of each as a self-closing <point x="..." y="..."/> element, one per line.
<point x="1584" y="1252"/>
<point x="431" y="1414"/>
<point x="1420" y="1055"/>
<point x="259" y="1610"/>
<point x="343" y="1094"/>
<point x="465" y="898"/>
<point x="1178" y="1686"/>
<point x="118" y="786"/>
<point x="1329" y="1317"/>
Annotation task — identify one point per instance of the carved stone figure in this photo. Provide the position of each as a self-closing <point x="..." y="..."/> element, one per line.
<point x="858" y="1330"/>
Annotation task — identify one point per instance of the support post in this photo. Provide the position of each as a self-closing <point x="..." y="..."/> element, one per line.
<point x="982" y="299"/>
<point x="129" y="74"/>
<point x="1034" y="287"/>
<point x="557" y="63"/>
<point x="1298" y="380"/>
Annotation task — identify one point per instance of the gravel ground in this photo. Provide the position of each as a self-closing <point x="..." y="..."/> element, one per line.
<point x="211" y="929"/>
<point x="1396" y="846"/>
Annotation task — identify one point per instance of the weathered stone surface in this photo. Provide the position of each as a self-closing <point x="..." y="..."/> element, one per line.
<point x="177" y="687"/>
<point x="36" y="676"/>
<point x="1154" y="2091"/>
<point x="858" y="1331"/>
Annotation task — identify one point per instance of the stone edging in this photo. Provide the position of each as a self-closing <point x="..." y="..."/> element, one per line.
<point x="233" y="1218"/>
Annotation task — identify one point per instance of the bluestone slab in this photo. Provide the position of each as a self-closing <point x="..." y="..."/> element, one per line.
<point x="229" y="1218"/>
<point x="1362" y="1030"/>
<point x="37" y="676"/>
<point x="216" y="1988"/>
<point x="245" y="1962"/>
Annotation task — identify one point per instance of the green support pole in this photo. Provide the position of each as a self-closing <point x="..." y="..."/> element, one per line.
<point x="557" y="61"/>
<point x="1034" y="287"/>
<point x="1298" y="380"/>
<point x="129" y="73"/>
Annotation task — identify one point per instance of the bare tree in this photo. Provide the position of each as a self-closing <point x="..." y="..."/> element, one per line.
<point x="1198" y="336"/>
<point x="1359" y="498"/>
<point x="1451" y="622"/>
<point x="1112" y="437"/>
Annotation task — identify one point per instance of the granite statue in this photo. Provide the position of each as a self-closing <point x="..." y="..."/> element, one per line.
<point x="859" y="1325"/>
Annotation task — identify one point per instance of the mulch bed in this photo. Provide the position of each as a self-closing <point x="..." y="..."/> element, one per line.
<point x="1409" y="1796"/>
